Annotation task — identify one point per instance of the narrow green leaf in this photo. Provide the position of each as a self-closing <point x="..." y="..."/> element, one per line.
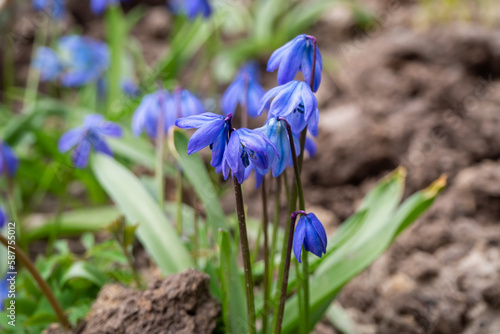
<point x="155" y="231"/>
<point x="84" y="270"/>
<point x="232" y="285"/>
<point x="341" y="320"/>
<point x="197" y="174"/>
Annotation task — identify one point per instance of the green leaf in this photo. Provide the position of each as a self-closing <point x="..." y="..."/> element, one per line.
<point x="232" y="285"/>
<point x="155" y="231"/>
<point x="197" y="174"/>
<point x="341" y="320"/>
<point x="383" y="221"/>
<point x="86" y="271"/>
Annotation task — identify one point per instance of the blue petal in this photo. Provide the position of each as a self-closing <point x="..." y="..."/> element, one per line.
<point x="298" y="238"/>
<point x="320" y="230"/>
<point x="3" y="218"/>
<point x="255" y="93"/>
<point x="232" y="96"/>
<point x="313" y="123"/>
<point x="197" y="121"/>
<point x="310" y="146"/>
<point x="81" y="154"/>
<point x="290" y="63"/>
<point x="101" y="146"/>
<point x="47" y="63"/>
<point x="140" y="116"/>
<point x="190" y="104"/>
<point x="204" y="136"/>
<point x="69" y="139"/>
<point x="110" y="129"/>
<point x="98" y="6"/>
<point x="233" y="151"/>
<point x="218" y="148"/>
<point x="313" y="242"/>
<point x="308" y="99"/>
<point x="10" y="159"/>
<point x="265" y="102"/>
<point x="287" y="100"/>
<point x="93" y="120"/>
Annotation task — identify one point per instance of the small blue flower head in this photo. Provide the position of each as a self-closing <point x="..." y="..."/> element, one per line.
<point x="55" y="8"/>
<point x="309" y="233"/>
<point x="47" y="62"/>
<point x="295" y="102"/>
<point x="191" y="8"/>
<point x="99" y="6"/>
<point x="84" y="60"/>
<point x="3" y="218"/>
<point x="8" y="161"/>
<point x="246" y="147"/>
<point x="297" y="55"/>
<point x="213" y="131"/>
<point x="90" y="135"/>
<point x="245" y="90"/>
<point x="276" y="131"/>
<point x="4" y="291"/>
<point x="147" y="115"/>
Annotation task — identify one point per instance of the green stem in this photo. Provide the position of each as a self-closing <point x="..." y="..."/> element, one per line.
<point x="179" y="202"/>
<point x="245" y="252"/>
<point x="267" y="287"/>
<point x="274" y="238"/>
<point x="24" y="259"/>
<point x="257" y="242"/>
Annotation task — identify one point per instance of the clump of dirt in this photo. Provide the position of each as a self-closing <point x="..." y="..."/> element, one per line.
<point x="178" y="303"/>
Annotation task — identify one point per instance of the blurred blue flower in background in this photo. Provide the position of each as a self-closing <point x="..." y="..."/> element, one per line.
<point x="4" y="292"/>
<point x="90" y="135"/>
<point x="276" y="131"/>
<point x="147" y="114"/>
<point x="183" y="103"/>
<point x="245" y="90"/>
<point x="47" y="62"/>
<point x="311" y="234"/>
<point x="191" y="8"/>
<point x="3" y="218"/>
<point x="55" y="8"/>
<point x="297" y="55"/>
<point x="295" y="102"/>
<point x="213" y="131"/>
<point x="8" y="160"/>
<point x="245" y="147"/>
<point x="99" y="6"/>
<point x="83" y="58"/>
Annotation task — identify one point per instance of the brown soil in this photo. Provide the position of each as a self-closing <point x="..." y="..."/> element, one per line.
<point x="179" y="304"/>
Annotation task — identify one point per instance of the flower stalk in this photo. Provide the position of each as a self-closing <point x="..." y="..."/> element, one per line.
<point x="267" y="278"/>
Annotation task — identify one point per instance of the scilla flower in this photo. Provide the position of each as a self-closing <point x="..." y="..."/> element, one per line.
<point x="309" y="233"/>
<point x="183" y="103"/>
<point x="84" y="60"/>
<point x="245" y="90"/>
<point x="245" y="147"/>
<point x="297" y="55"/>
<point x="4" y="291"/>
<point x="90" y="135"/>
<point x="213" y="131"/>
<point x="98" y="6"/>
<point x="3" y="218"/>
<point x="8" y="161"/>
<point x="295" y="102"/>
<point x="191" y="8"/>
<point x="55" y="8"/>
<point x="276" y="131"/>
<point x="47" y="62"/>
<point x="146" y="116"/>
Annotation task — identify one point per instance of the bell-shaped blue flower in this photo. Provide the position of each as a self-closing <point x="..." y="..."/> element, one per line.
<point x="275" y="131"/>
<point x="55" y="8"/>
<point x="183" y="103"/>
<point x="311" y="234"/>
<point x="3" y="218"/>
<point x="245" y="147"/>
<point x="147" y="114"/>
<point x="99" y="6"/>
<point x="295" y="102"/>
<point x="84" y="60"/>
<point x="90" y="135"/>
<point x="297" y="55"/>
<point x="191" y="8"/>
<point x="213" y="131"/>
<point x="47" y="62"/>
<point x="245" y="90"/>
<point x="8" y="161"/>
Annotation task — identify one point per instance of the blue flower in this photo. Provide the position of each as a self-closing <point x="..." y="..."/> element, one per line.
<point x="311" y="234"/>
<point x="213" y="131"/>
<point x="4" y="291"/>
<point x="8" y="160"/>
<point x="245" y="147"/>
<point x="47" y="62"/>
<point x="183" y="103"/>
<point x="130" y="88"/>
<point x="276" y="131"/>
<point x="245" y="90"/>
<point x="296" y="103"/>
<point x="98" y="6"/>
<point x="146" y="116"/>
<point x="191" y="8"/>
<point x="55" y="8"/>
<point x="84" y="60"/>
<point x="297" y="55"/>
<point x="310" y="146"/>
<point x="3" y="218"/>
<point x="91" y="134"/>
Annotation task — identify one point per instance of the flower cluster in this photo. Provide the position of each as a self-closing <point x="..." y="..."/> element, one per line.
<point x="90" y="135"/>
